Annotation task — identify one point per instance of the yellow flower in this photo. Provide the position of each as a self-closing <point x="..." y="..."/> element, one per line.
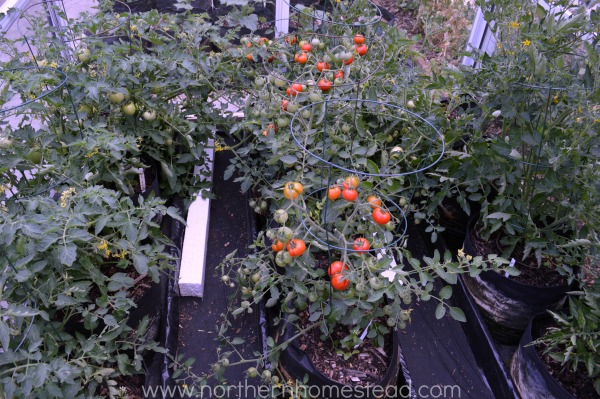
<point x="103" y="245"/>
<point x="92" y="153"/>
<point x="469" y="257"/>
<point x="66" y="195"/>
<point x="121" y="254"/>
<point x="461" y="253"/>
<point x="514" y="24"/>
<point x="219" y="147"/>
<point x="526" y="43"/>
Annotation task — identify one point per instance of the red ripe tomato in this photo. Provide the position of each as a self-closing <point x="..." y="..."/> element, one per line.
<point x="248" y="44"/>
<point x="325" y="85"/>
<point x="297" y="87"/>
<point x="296" y="247"/>
<point x="322" y="66"/>
<point x="249" y="57"/>
<point x="348" y="61"/>
<point x="291" y="39"/>
<point x="381" y="216"/>
<point x="339" y="74"/>
<point x="361" y="245"/>
<point x="359" y="39"/>
<point x="336" y="268"/>
<point x="361" y="49"/>
<point x="374" y="201"/>
<point x="339" y="282"/>
<point x="350" y="194"/>
<point x="262" y="40"/>
<point x="306" y="47"/>
<point x="301" y="58"/>
<point x="334" y="192"/>
<point x="284" y="105"/>
<point x="277" y="246"/>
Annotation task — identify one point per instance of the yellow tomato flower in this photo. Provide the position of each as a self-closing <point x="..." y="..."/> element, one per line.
<point x="526" y="43"/>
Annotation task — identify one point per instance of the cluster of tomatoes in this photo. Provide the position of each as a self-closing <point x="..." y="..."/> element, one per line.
<point x="337" y="275"/>
<point x="348" y="191"/>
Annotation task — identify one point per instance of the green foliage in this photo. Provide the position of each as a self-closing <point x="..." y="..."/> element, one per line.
<point x="574" y="341"/>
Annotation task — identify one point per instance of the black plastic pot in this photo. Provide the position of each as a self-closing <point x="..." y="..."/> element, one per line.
<point x="529" y="373"/>
<point x="507" y="305"/>
<point x="297" y="365"/>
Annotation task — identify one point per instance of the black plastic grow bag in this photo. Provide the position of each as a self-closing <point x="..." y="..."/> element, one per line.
<point x="297" y="365"/>
<point x="507" y="305"/>
<point x="529" y="373"/>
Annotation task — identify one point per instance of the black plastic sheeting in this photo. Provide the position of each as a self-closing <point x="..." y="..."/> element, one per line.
<point x="158" y="371"/>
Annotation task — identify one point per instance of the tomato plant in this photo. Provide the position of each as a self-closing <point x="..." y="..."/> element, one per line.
<point x="281" y="216"/>
<point x="348" y="61"/>
<point x="296" y="247"/>
<point x="359" y="39"/>
<point x="339" y="74"/>
<point x="291" y="190"/>
<point x="291" y="39"/>
<point x="381" y="216"/>
<point x="284" y="105"/>
<point x="361" y="245"/>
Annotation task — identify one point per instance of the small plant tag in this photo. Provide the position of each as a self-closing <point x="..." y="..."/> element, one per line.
<point x="142" y="179"/>
<point x="364" y="334"/>
<point x="512" y="264"/>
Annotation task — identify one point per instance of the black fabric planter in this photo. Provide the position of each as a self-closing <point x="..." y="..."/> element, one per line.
<point x="529" y="372"/>
<point x="506" y="305"/>
<point x="297" y="365"/>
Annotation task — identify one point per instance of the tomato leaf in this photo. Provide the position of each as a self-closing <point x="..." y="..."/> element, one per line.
<point x="440" y="311"/>
<point x="457" y="314"/>
<point x="67" y="254"/>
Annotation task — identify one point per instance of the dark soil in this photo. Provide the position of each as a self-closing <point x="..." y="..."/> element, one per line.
<point x="365" y="368"/>
<point x="531" y="273"/>
<point x="129" y="386"/>
<point x="579" y="384"/>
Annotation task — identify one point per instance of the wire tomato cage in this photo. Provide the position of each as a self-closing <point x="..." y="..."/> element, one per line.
<point x="348" y="140"/>
<point x="357" y="13"/>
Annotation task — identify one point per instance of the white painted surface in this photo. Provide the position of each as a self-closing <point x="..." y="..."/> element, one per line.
<point x="282" y="18"/>
<point x="192" y="271"/>
<point x="193" y="257"/>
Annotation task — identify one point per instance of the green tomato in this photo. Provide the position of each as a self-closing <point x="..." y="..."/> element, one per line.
<point x="346" y="128"/>
<point x="283" y="258"/>
<point x="260" y="81"/>
<point x="149" y="115"/>
<point x="35" y="156"/>
<point x="283" y="122"/>
<point x="129" y="109"/>
<point x="281" y="216"/>
<point x="375" y="283"/>
<point x="306" y="114"/>
<point x="279" y="82"/>
<point x="396" y="152"/>
<point x="116" y="97"/>
<point x="293" y="107"/>
<point x="314" y="96"/>
<point x="84" y="55"/>
<point x="285" y="234"/>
